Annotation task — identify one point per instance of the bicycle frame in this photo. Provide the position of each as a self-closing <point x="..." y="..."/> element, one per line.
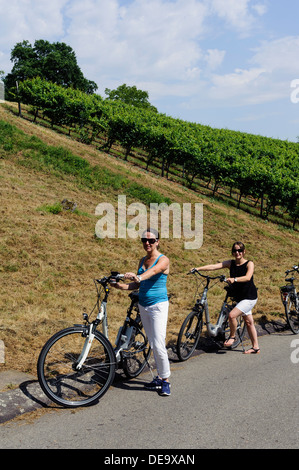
<point x="290" y="301"/>
<point x="77" y="365"/>
<point x="125" y="332"/>
<point x="213" y="330"/>
<point x="290" y="288"/>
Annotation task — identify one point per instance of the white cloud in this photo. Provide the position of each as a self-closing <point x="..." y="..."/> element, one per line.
<point x="214" y="58"/>
<point x="238" y="79"/>
<point x="154" y="40"/>
<point x="242" y="86"/>
<point x="236" y="14"/>
<point x="29" y="19"/>
<point x="274" y="65"/>
<point x="280" y="55"/>
<point x="260" y="9"/>
<point x="171" y="48"/>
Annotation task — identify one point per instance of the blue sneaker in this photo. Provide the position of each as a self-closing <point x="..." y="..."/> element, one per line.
<point x="156" y="384"/>
<point x="165" y="389"/>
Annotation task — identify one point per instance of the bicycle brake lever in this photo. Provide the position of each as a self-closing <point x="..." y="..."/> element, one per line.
<point x="116" y="278"/>
<point x="193" y="271"/>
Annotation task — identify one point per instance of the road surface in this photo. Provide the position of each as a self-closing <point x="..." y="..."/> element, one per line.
<point x="223" y="400"/>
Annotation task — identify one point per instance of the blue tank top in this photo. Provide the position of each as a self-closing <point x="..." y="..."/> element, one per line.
<point x="153" y="290"/>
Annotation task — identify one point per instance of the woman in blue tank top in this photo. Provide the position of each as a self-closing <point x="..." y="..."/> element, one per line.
<point x="151" y="279"/>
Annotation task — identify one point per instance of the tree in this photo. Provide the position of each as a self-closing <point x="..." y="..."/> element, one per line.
<point x="54" y="62"/>
<point x="130" y="95"/>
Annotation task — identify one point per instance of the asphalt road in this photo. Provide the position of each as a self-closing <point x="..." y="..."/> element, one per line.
<point x="223" y="400"/>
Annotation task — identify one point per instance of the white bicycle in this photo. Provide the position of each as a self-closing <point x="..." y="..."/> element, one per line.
<point x="77" y="365"/>
<point x="191" y="328"/>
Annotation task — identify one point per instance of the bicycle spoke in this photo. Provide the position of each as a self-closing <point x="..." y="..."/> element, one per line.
<point x="58" y="373"/>
<point x="189" y="335"/>
<point x="134" y="359"/>
<point x="292" y="316"/>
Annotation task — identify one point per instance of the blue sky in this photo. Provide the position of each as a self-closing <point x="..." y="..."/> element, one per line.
<point x="224" y="63"/>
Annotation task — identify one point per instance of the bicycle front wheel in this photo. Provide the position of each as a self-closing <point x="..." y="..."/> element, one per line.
<point x="135" y="357"/>
<point x="292" y="314"/>
<point x="189" y="335"/>
<point x="59" y="376"/>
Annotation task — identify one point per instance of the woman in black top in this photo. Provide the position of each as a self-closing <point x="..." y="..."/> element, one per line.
<point x="243" y="290"/>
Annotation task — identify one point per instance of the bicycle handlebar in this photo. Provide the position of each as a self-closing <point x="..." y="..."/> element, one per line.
<point x="294" y="268"/>
<point x="222" y="278"/>
<point x="113" y="278"/>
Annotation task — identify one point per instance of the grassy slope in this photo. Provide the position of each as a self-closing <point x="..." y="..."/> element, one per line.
<point x="48" y="261"/>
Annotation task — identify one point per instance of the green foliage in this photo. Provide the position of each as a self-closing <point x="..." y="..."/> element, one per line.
<point x="51" y="209"/>
<point x="44" y="157"/>
<point x="146" y="195"/>
<point x="263" y="168"/>
<point x="130" y="95"/>
<point x="54" y="62"/>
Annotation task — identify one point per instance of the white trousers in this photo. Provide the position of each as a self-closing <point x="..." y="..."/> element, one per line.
<point x="154" y="319"/>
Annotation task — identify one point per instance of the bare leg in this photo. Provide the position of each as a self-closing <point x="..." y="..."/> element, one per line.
<point x="252" y="335"/>
<point x="233" y="326"/>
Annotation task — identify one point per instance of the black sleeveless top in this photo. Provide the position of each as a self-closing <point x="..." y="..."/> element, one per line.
<point x="242" y="290"/>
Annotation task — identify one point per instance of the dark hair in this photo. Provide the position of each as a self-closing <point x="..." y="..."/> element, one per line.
<point x="241" y="245"/>
<point x="151" y="230"/>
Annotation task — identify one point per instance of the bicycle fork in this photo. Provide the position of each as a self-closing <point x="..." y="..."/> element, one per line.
<point x="86" y="348"/>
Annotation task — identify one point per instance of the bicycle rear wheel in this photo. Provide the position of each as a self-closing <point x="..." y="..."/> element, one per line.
<point x="240" y="332"/>
<point x="292" y="314"/>
<point x="57" y="370"/>
<point x="135" y="357"/>
<point x="189" y="335"/>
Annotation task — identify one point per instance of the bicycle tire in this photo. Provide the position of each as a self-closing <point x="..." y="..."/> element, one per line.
<point x="292" y="314"/>
<point x="135" y="358"/>
<point x="240" y="332"/>
<point x="56" y="368"/>
<point x="189" y="335"/>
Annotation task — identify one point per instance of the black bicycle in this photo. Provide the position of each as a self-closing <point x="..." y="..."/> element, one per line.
<point x="77" y="365"/>
<point x="192" y="325"/>
<point x="290" y="300"/>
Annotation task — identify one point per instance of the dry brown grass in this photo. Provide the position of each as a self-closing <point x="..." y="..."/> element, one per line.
<point x="48" y="262"/>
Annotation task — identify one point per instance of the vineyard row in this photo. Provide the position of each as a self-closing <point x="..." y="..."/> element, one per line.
<point x="265" y="169"/>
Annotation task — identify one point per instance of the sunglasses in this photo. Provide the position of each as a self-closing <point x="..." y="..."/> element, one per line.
<point x="150" y="240"/>
<point x="240" y="250"/>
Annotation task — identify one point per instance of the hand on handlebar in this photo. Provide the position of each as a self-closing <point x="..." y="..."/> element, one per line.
<point x="115" y="278"/>
<point x="192" y="271"/>
<point x="131" y="277"/>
